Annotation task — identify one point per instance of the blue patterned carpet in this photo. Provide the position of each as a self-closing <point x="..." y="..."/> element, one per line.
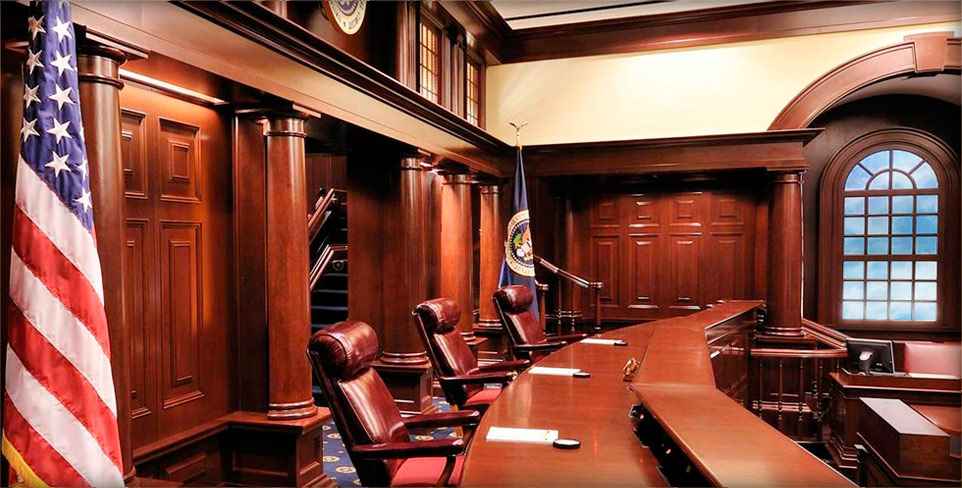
<point x="337" y="463"/>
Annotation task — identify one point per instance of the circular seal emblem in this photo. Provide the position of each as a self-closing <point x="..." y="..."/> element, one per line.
<point x="518" y="252"/>
<point x="347" y="15"/>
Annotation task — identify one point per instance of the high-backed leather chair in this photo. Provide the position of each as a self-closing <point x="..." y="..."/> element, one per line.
<point x="371" y="427"/>
<point x="527" y="337"/>
<point x="461" y="379"/>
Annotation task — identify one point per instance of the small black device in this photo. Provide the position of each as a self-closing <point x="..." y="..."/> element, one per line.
<point x="871" y="355"/>
<point x="621" y="342"/>
<point x="567" y="443"/>
<point x="582" y="374"/>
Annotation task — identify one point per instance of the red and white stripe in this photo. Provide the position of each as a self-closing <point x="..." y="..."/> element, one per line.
<point x="59" y="404"/>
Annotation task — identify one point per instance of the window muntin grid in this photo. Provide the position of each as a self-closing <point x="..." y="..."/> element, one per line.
<point x="429" y="63"/>
<point x="890" y="226"/>
<point x="473" y="98"/>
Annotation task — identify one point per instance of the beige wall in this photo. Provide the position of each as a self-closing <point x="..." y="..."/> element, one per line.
<point x="728" y="88"/>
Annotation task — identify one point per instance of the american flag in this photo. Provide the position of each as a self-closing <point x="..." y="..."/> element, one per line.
<point x="59" y="408"/>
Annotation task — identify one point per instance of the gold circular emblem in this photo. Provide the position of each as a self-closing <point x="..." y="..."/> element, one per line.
<point x="518" y="251"/>
<point x="347" y="15"/>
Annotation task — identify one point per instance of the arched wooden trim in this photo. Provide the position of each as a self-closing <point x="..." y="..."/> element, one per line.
<point x="923" y="53"/>
<point x="944" y="161"/>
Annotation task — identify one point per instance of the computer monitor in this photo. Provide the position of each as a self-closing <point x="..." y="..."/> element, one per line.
<point x="871" y="356"/>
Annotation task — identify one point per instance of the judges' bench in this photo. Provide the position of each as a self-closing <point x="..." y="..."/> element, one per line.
<point x="927" y="374"/>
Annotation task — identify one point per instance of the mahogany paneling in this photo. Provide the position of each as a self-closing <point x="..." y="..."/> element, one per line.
<point x="377" y="31"/>
<point x="773" y="150"/>
<point x="179" y="255"/>
<point x="665" y="250"/>
<point x="713" y="26"/>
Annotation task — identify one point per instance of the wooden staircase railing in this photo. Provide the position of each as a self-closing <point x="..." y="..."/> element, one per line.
<point x="325" y="259"/>
<point x="560" y="312"/>
<point x="320" y="213"/>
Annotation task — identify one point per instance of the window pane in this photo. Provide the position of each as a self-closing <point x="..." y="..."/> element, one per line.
<point x="925" y="290"/>
<point x="853" y="310"/>
<point x="878" y="245"/>
<point x="901" y="290"/>
<point x="927" y="224"/>
<point x="855" y="206"/>
<point x="901" y="225"/>
<point x="901" y="182"/>
<point x="901" y="270"/>
<point x="902" y="204"/>
<point x="900" y="311"/>
<point x="855" y="226"/>
<point x="925" y="245"/>
<point x="878" y="270"/>
<point x="857" y="179"/>
<point x="876" y="162"/>
<point x="877" y="290"/>
<point x="928" y="203"/>
<point x="881" y="182"/>
<point x="924" y="177"/>
<point x="852" y="290"/>
<point x="904" y="160"/>
<point x="878" y="225"/>
<point x="925" y="270"/>
<point x="876" y="310"/>
<point x="853" y="270"/>
<point x="878" y="205"/>
<point x="901" y="245"/>
<point x="924" y="312"/>
<point x="854" y="246"/>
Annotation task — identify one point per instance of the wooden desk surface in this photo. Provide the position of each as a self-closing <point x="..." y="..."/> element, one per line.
<point x="595" y="411"/>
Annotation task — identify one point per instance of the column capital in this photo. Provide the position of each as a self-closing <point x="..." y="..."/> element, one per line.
<point x="98" y="62"/>
<point x="787" y="177"/>
<point x="417" y="159"/>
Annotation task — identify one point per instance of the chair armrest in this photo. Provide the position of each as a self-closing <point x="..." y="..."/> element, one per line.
<point x="388" y="450"/>
<point x="569" y="338"/>
<point x="512" y="365"/>
<point x="503" y="377"/>
<point x="444" y="419"/>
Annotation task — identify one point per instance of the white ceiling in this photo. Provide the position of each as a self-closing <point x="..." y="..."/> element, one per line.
<point x="541" y="13"/>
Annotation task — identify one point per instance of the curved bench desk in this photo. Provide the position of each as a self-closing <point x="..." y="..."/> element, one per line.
<point x="727" y="444"/>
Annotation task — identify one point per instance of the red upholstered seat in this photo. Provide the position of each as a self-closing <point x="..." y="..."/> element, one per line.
<point x="525" y="334"/>
<point x="425" y="472"/>
<point x="375" y="435"/>
<point x="461" y="379"/>
<point x="484" y="396"/>
<point x="933" y="358"/>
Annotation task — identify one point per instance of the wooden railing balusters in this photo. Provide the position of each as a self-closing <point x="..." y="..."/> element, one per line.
<point x="578" y="281"/>
<point x="781" y="390"/>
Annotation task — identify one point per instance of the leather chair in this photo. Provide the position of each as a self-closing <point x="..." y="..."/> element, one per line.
<point x="461" y="379"/>
<point x="527" y="337"/>
<point x="932" y="358"/>
<point x="372" y="429"/>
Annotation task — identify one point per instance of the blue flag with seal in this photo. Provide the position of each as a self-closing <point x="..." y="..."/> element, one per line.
<point x="518" y="265"/>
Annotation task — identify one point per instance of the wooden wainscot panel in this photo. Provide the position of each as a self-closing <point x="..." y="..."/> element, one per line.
<point x="179" y="157"/>
<point x="138" y="267"/>
<point x="182" y="278"/>
<point x="133" y="147"/>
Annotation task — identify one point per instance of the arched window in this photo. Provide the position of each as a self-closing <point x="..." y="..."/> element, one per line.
<point x="890" y="201"/>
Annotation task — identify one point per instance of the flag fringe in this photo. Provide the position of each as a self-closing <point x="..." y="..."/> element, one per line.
<point x="27" y="477"/>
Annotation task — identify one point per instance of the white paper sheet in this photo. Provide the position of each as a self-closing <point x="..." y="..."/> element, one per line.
<point x="553" y="371"/>
<point x="515" y="434"/>
<point x="600" y="342"/>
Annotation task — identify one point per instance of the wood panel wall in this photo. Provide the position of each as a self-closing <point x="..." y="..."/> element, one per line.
<point x="671" y="250"/>
<point x="179" y="263"/>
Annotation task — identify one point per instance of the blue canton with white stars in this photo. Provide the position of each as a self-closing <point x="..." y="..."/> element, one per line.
<point x="52" y="138"/>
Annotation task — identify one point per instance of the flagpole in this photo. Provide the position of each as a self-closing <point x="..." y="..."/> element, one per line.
<point x="517" y="132"/>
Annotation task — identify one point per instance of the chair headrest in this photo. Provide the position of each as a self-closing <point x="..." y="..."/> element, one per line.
<point x="346" y="348"/>
<point x="514" y="298"/>
<point x="440" y="315"/>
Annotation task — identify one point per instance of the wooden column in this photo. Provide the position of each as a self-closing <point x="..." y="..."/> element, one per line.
<point x="785" y="256"/>
<point x="389" y="260"/>
<point x="98" y="73"/>
<point x="492" y="255"/>
<point x="456" y="240"/>
<point x="288" y="300"/>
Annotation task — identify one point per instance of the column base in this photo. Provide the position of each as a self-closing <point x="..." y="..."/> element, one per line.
<point x="291" y="411"/>
<point x="410" y="384"/>
<point x="495" y="346"/>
